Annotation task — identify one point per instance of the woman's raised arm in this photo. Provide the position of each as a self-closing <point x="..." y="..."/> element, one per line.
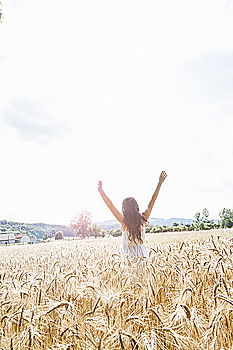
<point x="147" y="213"/>
<point x="109" y="204"/>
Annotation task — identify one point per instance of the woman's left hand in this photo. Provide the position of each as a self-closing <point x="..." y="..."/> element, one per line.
<point x="100" y="185"/>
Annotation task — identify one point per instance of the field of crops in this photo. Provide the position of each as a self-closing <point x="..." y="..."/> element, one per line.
<point x="81" y="295"/>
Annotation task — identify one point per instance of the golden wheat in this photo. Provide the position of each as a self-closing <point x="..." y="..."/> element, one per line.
<point x="80" y="295"/>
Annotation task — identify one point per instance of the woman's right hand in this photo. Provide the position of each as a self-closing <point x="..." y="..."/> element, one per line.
<point x="162" y="177"/>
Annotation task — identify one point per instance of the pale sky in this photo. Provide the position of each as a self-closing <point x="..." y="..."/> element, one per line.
<point x="115" y="91"/>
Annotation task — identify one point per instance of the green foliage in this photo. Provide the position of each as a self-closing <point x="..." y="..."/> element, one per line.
<point x="103" y="233"/>
<point x="202" y="221"/>
<point x="148" y="228"/>
<point x="197" y="217"/>
<point x="202" y="217"/>
<point x="96" y="231"/>
<point x="115" y="232"/>
<point x="226" y="216"/>
<point x="205" y="215"/>
<point x="156" y="229"/>
<point x="59" y="235"/>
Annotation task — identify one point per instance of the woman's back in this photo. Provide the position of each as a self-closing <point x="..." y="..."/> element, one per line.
<point x="134" y="248"/>
<point x="135" y="242"/>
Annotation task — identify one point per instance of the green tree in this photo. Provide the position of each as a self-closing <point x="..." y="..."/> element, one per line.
<point x="197" y="217"/>
<point x="96" y="231"/>
<point x="205" y="215"/>
<point x="156" y="229"/>
<point x="226" y="216"/>
<point x="149" y="227"/>
<point x="59" y="235"/>
<point x="81" y="225"/>
<point x="115" y="232"/>
<point x="202" y="221"/>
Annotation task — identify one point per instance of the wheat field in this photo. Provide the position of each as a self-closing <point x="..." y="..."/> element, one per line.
<point x="81" y="295"/>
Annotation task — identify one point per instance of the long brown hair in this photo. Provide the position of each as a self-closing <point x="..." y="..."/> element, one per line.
<point x="133" y="219"/>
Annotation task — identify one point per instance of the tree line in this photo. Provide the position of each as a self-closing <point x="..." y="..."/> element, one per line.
<point x="82" y="225"/>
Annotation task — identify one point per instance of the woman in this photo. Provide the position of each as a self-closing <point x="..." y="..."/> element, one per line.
<point x="132" y="222"/>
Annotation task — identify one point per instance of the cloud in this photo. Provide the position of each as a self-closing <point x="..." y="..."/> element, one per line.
<point x="32" y="121"/>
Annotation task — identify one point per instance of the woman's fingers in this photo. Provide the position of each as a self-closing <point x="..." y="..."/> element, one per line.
<point x="163" y="176"/>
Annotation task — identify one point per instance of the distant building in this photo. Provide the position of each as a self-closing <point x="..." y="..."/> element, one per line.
<point x="25" y="239"/>
<point x="22" y="238"/>
<point x="7" y="238"/>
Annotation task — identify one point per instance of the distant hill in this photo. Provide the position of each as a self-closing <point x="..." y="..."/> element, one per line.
<point x="38" y="229"/>
<point x="170" y="222"/>
<point x="112" y="224"/>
